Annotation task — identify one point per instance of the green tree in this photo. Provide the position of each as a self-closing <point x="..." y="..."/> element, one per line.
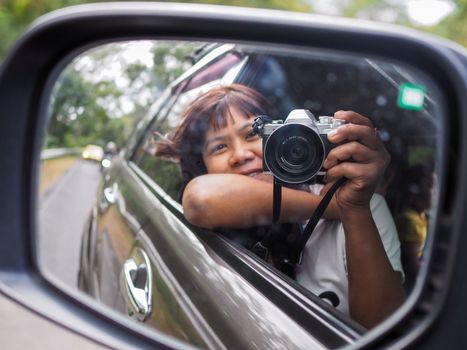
<point x="170" y="61"/>
<point x="88" y="108"/>
<point x="76" y="116"/>
<point x="17" y="15"/>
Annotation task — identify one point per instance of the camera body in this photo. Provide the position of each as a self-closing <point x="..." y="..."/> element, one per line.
<point x="294" y="150"/>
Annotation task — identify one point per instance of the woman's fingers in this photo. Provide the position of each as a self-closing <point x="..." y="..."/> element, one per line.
<point x="351" y="151"/>
<point x="353" y="117"/>
<point x="359" y="174"/>
<point x="354" y="160"/>
<point x="359" y="156"/>
<point x="353" y="132"/>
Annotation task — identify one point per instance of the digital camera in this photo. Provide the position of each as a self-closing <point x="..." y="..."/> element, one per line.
<point x="294" y="150"/>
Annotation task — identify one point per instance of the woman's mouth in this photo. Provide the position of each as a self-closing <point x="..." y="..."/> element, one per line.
<point x="252" y="173"/>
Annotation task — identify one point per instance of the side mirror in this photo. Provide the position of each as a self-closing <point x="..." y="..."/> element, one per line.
<point x="437" y="106"/>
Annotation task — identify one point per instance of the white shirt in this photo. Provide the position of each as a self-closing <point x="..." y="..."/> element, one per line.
<point x="324" y="267"/>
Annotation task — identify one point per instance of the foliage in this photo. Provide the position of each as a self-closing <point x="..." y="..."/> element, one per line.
<point x="176" y="57"/>
<point x="76" y="117"/>
<point x="89" y="99"/>
<point x="86" y="110"/>
<point x="17" y="15"/>
<point x="454" y="27"/>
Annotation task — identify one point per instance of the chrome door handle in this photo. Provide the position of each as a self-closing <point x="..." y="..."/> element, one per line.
<point x="111" y="193"/>
<point x="137" y="280"/>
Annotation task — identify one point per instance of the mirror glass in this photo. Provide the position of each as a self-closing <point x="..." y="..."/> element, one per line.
<point x="131" y="124"/>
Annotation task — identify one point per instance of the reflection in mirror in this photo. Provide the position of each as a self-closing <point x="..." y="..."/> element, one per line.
<point x="145" y="157"/>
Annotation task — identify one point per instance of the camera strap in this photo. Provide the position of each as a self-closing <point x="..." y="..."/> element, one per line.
<point x="311" y="225"/>
<point x="262" y="247"/>
<point x="276" y="201"/>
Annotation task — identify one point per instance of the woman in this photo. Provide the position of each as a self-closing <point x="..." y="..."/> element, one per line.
<point x="221" y="160"/>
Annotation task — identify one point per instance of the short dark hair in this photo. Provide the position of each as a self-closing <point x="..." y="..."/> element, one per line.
<point x="211" y="109"/>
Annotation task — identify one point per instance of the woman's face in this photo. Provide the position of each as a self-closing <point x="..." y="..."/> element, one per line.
<point x="234" y="149"/>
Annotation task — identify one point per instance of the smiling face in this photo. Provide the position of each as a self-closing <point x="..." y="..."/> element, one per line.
<point x="215" y="133"/>
<point x="233" y="149"/>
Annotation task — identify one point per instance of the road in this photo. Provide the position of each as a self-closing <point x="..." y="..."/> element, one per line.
<point x="63" y="211"/>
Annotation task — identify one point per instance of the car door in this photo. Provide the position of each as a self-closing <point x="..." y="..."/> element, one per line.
<point x="119" y="267"/>
<point x="189" y="284"/>
<point x="110" y="233"/>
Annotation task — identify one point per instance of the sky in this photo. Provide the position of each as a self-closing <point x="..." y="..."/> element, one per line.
<point x="421" y="12"/>
<point x="429" y="12"/>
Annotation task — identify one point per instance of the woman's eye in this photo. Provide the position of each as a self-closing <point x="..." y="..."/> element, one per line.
<point x="251" y="135"/>
<point x="218" y="148"/>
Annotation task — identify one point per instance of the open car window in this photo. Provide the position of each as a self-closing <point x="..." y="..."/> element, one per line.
<point x="403" y="105"/>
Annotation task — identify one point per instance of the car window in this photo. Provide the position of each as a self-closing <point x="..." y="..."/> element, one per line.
<point x="322" y="83"/>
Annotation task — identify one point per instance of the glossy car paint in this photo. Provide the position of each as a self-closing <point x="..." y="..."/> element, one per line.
<point x="197" y="297"/>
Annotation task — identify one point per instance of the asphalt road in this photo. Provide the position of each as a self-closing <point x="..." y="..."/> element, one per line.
<point x="63" y="211"/>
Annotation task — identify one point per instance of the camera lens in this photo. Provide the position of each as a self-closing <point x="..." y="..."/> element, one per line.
<point x="294" y="153"/>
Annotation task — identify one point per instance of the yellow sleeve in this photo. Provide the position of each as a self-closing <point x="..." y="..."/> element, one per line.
<point x="409" y="230"/>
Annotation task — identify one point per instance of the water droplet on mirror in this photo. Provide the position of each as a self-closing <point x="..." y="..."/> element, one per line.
<point x="331" y="77"/>
<point x="384" y="135"/>
<point x="381" y="100"/>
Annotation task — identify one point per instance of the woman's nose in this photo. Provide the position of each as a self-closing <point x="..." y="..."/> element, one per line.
<point x="240" y="155"/>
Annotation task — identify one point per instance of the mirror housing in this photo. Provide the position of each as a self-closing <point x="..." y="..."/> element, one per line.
<point x="29" y="72"/>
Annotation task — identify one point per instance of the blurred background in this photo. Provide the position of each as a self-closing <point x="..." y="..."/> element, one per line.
<point x="112" y="106"/>
<point x="96" y="106"/>
<point x="447" y="18"/>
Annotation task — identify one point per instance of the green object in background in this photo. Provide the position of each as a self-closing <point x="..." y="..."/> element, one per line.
<point x="411" y="96"/>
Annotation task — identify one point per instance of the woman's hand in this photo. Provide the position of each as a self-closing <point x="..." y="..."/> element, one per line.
<point x="360" y="157"/>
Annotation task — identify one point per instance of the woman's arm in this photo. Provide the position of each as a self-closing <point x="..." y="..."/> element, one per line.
<point x="375" y="289"/>
<point x="237" y="201"/>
